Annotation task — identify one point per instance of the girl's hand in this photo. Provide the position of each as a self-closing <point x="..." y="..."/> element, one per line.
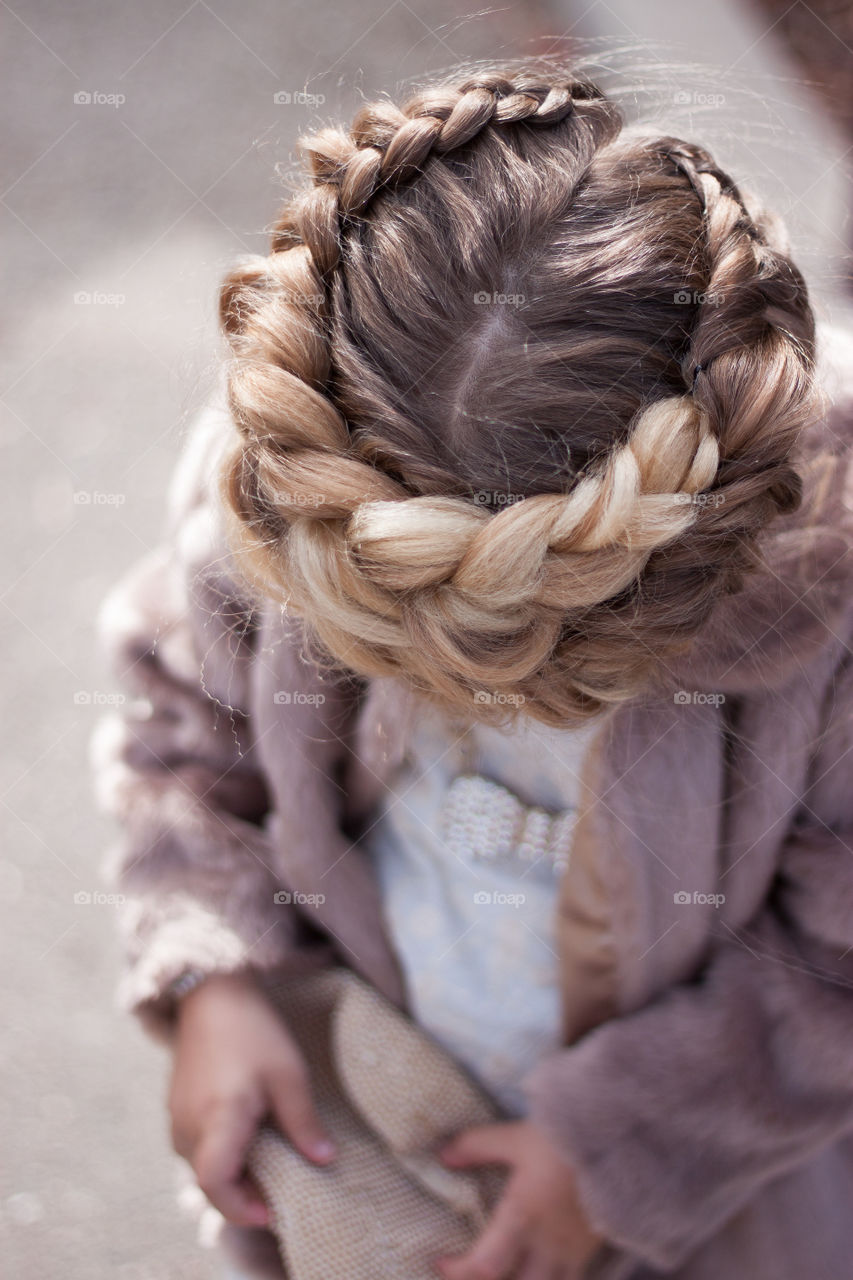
<point x="538" y="1230"/>
<point x="235" y="1061"/>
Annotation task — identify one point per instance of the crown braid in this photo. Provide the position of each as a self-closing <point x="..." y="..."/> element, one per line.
<point x="387" y="145"/>
<point x="542" y="601"/>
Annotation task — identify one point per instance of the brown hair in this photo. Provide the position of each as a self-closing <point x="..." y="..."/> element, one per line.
<point x="515" y="393"/>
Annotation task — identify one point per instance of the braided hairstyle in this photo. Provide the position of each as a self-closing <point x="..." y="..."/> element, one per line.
<point x="514" y="394"/>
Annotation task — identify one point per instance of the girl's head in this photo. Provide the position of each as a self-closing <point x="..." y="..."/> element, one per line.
<point x="516" y="392"/>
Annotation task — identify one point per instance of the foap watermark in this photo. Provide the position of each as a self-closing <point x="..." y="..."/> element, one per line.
<point x="485" y="298"/>
<point x="286" y="498"/>
<point x="298" y="98"/>
<point x="495" y="498"/>
<point x="296" y="697"/>
<point x="97" y="98"/>
<point x="96" y="898"/>
<point x="292" y="898"/>
<point x="94" y="698"/>
<point x="97" y="298"/>
<point x="698" y="697"/>
<point x="298" y="298"/>
<point x="700" y="499"/>
<point x="486" y="898"/>
<point x="696" y="298"/>
<point x="698" y="98"/>
<point x="485" y="697"/>
<point x="682" y="898"/>
<point x="96" y="498"/>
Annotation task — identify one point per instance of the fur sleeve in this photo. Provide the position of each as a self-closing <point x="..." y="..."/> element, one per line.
<point x="177" y="762"/>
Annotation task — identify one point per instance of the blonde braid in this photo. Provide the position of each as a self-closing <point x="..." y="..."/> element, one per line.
<point x="453" y="596"/>
<point x="754" y="333"/>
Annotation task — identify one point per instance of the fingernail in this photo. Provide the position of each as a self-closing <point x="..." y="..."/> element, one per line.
<point x="260" y="1215"/>
<point x="323" y="1150"/>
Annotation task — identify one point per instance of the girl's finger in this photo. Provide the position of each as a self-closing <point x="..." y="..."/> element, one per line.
<point x="217" y="1162"/>
<point x="293" y="1107"/>
<point x="498" y="1249"/>
<point x="482" y="1144"/>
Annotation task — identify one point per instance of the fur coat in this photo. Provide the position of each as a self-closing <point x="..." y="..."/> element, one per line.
<point x="704" y="1090"/>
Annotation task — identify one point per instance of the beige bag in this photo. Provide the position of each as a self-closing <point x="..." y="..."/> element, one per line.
<point x="388" y="1095"/>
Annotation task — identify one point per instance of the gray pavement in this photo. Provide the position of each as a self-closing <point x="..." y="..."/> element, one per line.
<point x="139" y="158"/>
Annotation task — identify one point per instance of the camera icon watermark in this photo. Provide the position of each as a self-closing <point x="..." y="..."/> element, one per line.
<point x="682" y="898"/>
<point x="298" y="298"/>
<point x="95" y="98"/>
<point x="698" y="697"/>
<point x="696" y="298"/>
<point x="291" y="697"/>
<point x="486" y="298"/>
<point x="297" y="98"/>
<point x="699" y="499"/>
<point x="94" y="698"/>
<point x="484" y="898"/>
<point x="293" y="898"/>
<point x="485" y="697"/>
<point x="289" y="498"/>
<point x="495" y="498"/>
<point x="696" y="98"/>
<point x="96" y="298"/>
<point x="95" y="498"/>
<point x="89" y="897"/>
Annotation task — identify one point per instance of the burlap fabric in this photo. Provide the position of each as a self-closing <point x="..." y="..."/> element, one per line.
<point x="388" y="1095"/>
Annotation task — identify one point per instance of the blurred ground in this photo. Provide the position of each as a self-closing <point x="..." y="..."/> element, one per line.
<point x="820" y="36"/>
<point x="140" y="155"/>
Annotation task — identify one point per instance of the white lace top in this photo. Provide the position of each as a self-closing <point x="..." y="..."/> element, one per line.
<point x="469" y="848"/>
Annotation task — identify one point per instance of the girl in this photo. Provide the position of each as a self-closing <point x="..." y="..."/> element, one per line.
<point x="499" y="649"/>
